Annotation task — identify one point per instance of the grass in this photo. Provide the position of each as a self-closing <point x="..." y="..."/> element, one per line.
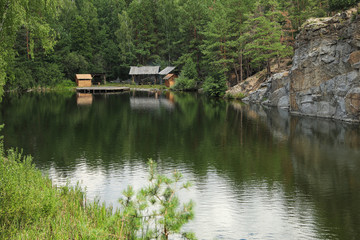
<point x="32" y="208"/>
<point x="238" y="95"/>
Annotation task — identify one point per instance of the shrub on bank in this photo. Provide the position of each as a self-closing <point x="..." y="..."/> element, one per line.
<point x="183" y="83"/>
<point x="215" y="86"/>
<point x="188" y="77"/>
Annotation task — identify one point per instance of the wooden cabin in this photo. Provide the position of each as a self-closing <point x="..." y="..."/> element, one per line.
<point x="168" y="76"/>
<point x="170" y="80"/>
<point x="145" y="75"/>
<point x="83" y="80"/>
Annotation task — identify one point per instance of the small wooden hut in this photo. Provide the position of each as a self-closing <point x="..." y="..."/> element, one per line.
<point x="170" y="80"/>
<point x="83" y="80"/>
<point x="168" y="76"/>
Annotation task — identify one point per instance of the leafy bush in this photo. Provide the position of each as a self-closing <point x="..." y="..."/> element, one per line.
<point x="33" y="74"/>
<point x="65" y="85"/>
<point x="184" y="83"/>
<point x="215" y="86"/>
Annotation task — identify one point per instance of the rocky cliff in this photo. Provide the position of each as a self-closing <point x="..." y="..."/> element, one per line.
<point x="324" y="80"/>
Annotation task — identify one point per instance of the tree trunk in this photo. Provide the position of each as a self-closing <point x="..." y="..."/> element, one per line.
<point x="247" y="68"/>
<point x="241" y="67"/>
<point x="27" y="44"/>
<point x="236" y="73"/>
<point x="268" y="69"/>
<point x="278" y="63"/>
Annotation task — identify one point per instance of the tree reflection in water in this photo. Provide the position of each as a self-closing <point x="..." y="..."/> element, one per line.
<point x="258" y="173"/>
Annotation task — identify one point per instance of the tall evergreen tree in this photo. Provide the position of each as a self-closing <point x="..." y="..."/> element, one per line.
<point x="216" y="34"/>
<point x="263" y="36"/>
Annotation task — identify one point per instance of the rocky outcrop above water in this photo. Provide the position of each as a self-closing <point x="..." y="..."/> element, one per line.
<point x="324" y="80"/>
<point x="274" y="92"/>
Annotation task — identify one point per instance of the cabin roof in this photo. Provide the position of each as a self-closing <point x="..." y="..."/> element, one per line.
<point x="83" y="76"/>
<point x="146" y="70"/>
<point x="167" y="77"/>
<point x="166" y="70"/>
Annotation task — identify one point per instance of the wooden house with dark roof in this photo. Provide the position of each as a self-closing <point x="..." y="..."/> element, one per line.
<point x="145" y="75"/>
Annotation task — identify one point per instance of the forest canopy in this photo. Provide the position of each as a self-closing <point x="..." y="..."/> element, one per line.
<point x="43" y="43"/>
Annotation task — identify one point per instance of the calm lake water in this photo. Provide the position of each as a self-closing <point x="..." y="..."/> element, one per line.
<point x="257" y="173"/>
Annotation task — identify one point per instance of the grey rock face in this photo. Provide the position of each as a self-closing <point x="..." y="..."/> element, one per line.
<point x="324" y="80"/>
<point x="326" y="69"/>
<point x="274" y="92"/>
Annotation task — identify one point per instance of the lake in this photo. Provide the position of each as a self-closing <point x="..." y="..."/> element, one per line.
<point x="257" y="173"/>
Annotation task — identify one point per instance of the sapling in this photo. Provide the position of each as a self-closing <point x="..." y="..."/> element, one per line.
<point x="155" y="211"/>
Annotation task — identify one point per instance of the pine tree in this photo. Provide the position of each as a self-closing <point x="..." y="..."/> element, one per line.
<point x="216" y="34"/>
<point x="264" y="44"/>
<point x="145" y="22"/>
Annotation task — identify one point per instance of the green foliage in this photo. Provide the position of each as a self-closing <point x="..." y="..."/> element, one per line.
<point x="189" y="69"/>
<point x="184" y="83"/>
<point x="216" y="35"/>
<point x="80" y="36"/>
<point x="65" y="85"/>
<point x="75" y="63"/>
<point x="263" y="37"/>
<point x="109" y="36"/>
<point x="341" y="4"/>
<point x="215" y="86"/>
<point x="188" y="77"/>
<point x="31" y="208"/>
<point x="25" y="196"/>
<point x="155" y="210"/>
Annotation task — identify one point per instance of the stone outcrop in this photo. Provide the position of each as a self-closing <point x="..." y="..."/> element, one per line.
<point x="274" y="92"/>
<point x="324" y="80"/>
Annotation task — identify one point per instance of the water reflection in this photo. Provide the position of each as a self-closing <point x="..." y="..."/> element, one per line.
<point x="153" y="101"/>
<point x="84" y="99"/>
<point x="258" y="173"/>
<point x="325" y="157"/>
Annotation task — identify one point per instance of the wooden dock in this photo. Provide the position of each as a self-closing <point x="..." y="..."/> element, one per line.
<point x="102" y="89"/>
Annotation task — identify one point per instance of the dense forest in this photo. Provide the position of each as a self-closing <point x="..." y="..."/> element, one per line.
<point x="45" y="42"/>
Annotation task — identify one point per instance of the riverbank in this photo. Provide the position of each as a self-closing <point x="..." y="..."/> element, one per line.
<point x="69" y="86"/>
<point x="31" y="207"/>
